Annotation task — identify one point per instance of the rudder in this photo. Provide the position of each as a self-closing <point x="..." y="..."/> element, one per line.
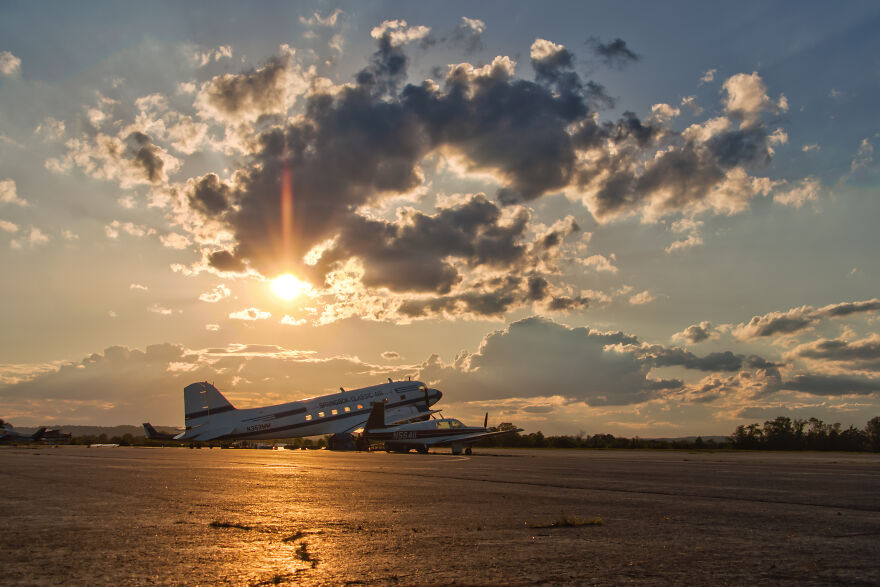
<point x="201" y="400"/>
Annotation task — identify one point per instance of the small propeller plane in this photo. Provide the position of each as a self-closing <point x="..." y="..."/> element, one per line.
<point x="402" y="437"/>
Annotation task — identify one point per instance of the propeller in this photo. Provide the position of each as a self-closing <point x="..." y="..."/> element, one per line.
<point x="486" y="421"/>
<point x="427" y="401"/>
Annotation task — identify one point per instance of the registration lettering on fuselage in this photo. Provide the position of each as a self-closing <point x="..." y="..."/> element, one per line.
<point x="405" y="435"/>
<point x="257" y="427"/>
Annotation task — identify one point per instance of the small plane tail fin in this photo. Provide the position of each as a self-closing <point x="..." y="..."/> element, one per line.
<point x="38" y="435"/>
<point x="201" y="400"/>
<point x="376" y="420"/>
<point x="151" y="432"/>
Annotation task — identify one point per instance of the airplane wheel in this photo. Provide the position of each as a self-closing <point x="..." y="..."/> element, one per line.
<point x="423" y="450"/>
<point x="467" y="451"/>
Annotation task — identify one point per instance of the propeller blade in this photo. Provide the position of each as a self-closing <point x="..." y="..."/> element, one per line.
<point x="486" y="421"/>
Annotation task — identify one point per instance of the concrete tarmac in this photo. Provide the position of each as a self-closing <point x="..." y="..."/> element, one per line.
<point x="85" y="516"/>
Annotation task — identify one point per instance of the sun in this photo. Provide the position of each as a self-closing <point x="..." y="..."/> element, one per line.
<point x="287" y="286"/>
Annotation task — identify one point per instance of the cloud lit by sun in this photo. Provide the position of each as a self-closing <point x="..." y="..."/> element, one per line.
<point x="287" y="287"/>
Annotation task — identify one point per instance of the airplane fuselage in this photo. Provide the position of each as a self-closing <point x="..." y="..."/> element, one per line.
<point x="329" y="414"/>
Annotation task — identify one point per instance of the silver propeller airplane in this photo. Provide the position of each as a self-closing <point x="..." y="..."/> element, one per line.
<point x="423" y="435"/>
<point x="210" y="416"/>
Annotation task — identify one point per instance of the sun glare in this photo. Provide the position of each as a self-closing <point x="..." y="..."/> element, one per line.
<point x="287" y="286"/>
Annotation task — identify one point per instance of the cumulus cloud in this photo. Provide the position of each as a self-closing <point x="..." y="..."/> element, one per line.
<point x="843" y="354"/>
<point x="270" y="89"/>
<point x="203" y="58"/>
<point x="807" y="190"/>
<point x="398" y="33"/>
<point x="116" y="227"/>
<point x="9" y="194"/>
<point x="250" y="314"/>
<point x="7" y="226"/>
<point x="174" y="240"/>
<point x="536" y="358"/>
<point x="123" y="385"/>
<point x="697" y="333"/>
<point x="9" y="63"/>
<point x="640" y="298"/>
<point x="747" y="98"/>
<point x="131" y="158"/>
<point x="797" y="320"/>
<point x="708" y="77"/>
<point x="353" y="147"/>
<point x="216" y="294"/>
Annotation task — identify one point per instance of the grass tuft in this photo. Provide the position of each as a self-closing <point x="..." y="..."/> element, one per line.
<point x="218" y="524"/>
<point x="566" y="521"/>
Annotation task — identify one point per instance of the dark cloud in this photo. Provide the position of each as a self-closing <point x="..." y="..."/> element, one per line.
<point x="847" y="308"/>
<point x="833" y="385"/>
<point x="387" y="69"/>
<point x="145" y="156"/>
<point x="413" y="253"/>
<point x="248" y="95"/>
<point x="614" y="54"/>
<point x="365" y="142"/>
<point x="535" y="357"/>
<point x="209" y="195"/>
<point x="669" y="357"/>
<point x="861" y="354"/>
<point x="799" y="319"/>
<point x="226" y="261"/>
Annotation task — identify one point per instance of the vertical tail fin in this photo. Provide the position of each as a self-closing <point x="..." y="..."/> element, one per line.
<point x="200" y="401"/>
<point x="38" y="435"/>
<point x="376" y="421"/>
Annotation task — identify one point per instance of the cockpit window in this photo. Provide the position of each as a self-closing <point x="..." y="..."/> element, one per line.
<point x="456" y="424"/>
<point x="442" y="425"/>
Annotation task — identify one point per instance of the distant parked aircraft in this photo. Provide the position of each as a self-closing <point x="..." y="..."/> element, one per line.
<point x="423" y="435"/>
<point x="154" y="434"/>
<point x="55" y="436"/>
<point x="9" y="434"/>
<point x="210" y="416"/>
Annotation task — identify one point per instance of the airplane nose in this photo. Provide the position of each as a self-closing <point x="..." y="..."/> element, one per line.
<point x="438" y="394"/>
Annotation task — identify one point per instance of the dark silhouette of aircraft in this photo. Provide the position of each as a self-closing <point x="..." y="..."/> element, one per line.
<point x="402" y="437"/>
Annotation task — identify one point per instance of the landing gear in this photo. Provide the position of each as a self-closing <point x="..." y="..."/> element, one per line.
<point x="341" y="442"/>
<point x="423" y="450"/>
<point x="467" y="451"/>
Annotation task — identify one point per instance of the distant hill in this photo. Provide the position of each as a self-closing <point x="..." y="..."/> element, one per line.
<point x="110" y="431"/>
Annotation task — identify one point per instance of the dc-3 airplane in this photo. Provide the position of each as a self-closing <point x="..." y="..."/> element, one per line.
<point x="209" y="416"/>
<point x="423" y="435"/>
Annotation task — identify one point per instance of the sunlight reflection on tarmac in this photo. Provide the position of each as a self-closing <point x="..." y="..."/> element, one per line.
<point x="74" y="515"/>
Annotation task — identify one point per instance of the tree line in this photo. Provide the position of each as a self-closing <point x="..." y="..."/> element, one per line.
<point x="781" y="433"/>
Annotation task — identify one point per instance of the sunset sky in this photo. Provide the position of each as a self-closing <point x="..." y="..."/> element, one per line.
<point x="652" y="219"/>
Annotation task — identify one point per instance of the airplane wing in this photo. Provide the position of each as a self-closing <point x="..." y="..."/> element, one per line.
<point x="416" y="418"/>
<point x="466" y="438"/>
